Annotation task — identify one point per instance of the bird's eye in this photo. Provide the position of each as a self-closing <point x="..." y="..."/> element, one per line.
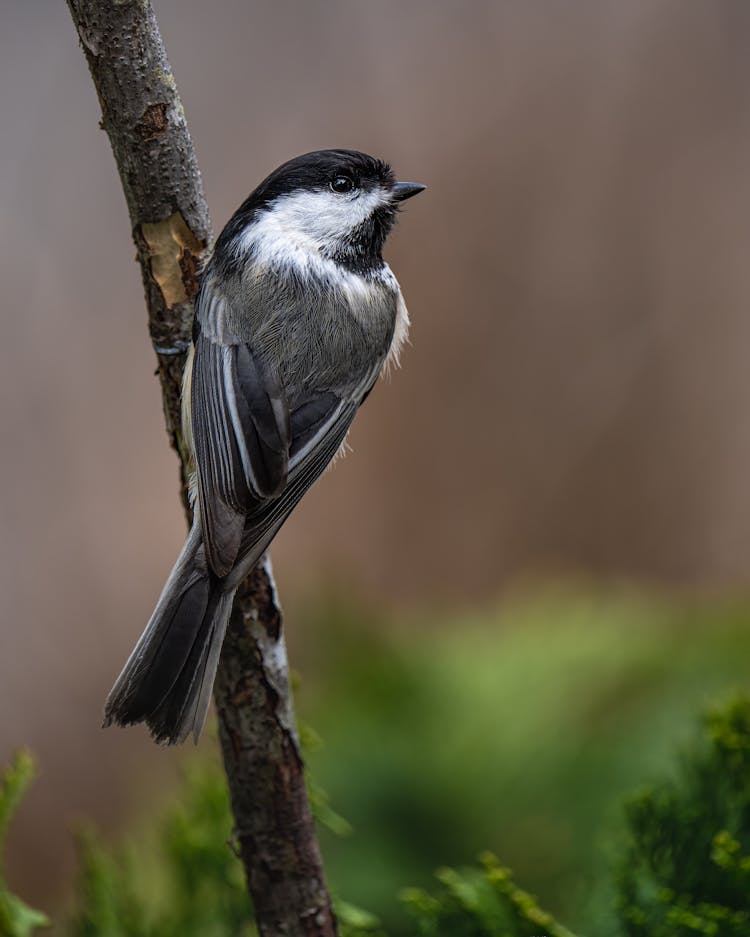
<point x="342" y="184"/>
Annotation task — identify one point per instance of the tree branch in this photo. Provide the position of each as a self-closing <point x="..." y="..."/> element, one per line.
<point x="145" y="122"/>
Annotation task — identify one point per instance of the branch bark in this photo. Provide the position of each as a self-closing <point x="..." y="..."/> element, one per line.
<point x="145" y="122"/>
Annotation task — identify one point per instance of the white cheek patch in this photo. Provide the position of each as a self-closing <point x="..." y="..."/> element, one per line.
<point x="325" y="216"/>
<point x="296" y="227"/>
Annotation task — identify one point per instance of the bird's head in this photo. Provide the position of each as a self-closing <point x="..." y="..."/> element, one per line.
<point x="339" y="203"/>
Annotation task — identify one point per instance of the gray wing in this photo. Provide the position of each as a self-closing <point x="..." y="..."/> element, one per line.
<point x="242" y="437"/>
<point x="315" y="442"/>
<point x="254" y="457"/>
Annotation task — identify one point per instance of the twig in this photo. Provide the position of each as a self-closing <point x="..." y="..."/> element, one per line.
<point x="145" y="122"/>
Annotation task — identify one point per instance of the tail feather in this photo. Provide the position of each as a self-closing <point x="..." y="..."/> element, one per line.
<point x="183" y="710"/>
<point x="167" y="680"/>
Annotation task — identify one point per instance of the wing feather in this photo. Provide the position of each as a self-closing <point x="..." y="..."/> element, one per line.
<point x="222" y="489"/>
<point x="262" y="526"/>
<point x="319" y="428"/>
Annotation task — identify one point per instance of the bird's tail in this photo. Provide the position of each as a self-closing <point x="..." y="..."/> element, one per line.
<point x="167" y="680"/>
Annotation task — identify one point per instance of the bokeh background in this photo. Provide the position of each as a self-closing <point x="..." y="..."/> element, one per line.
<point x="573" y="411"/>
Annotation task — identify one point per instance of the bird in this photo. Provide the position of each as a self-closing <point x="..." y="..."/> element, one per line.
<point x="296" y="317"/>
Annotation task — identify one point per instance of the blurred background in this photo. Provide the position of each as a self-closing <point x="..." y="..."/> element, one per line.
<point x="530" y="573"/>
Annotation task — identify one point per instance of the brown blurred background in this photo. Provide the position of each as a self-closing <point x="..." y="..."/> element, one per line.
<point x="576" y="396"/>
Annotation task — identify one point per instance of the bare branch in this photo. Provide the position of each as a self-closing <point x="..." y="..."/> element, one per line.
<point x="145" y="122"/>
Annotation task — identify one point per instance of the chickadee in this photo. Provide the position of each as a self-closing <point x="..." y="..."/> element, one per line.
<point x="296" y="316"/>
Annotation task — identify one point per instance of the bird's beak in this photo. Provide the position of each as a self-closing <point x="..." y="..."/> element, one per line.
<point x="403" y="190"/>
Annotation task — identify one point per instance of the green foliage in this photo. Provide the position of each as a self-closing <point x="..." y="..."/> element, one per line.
<point x="518" y="729"/>
<point x="478" y="902"/>
<point x="686" y="869"/>
<point x="193" y="885"/>
<point x="183" y="882"/>
<point x="354" y="922"/>
<point x="16" y="918"/>
<point x="320" y="803"/>
<point x="109" y="903"/>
